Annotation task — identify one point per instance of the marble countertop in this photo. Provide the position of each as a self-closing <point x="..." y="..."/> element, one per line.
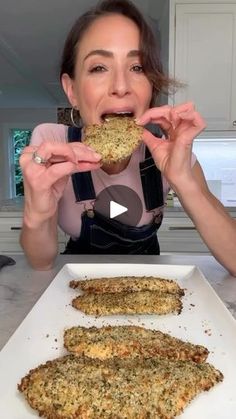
<point x="21" y="286"/>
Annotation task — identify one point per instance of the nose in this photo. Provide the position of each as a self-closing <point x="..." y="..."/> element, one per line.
<point x="119" y="84"/>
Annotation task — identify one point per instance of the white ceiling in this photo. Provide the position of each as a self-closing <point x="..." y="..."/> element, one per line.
<point x="32" y="34"/>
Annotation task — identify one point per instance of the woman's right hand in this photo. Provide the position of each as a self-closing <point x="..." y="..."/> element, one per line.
<point x="44" y="184"/>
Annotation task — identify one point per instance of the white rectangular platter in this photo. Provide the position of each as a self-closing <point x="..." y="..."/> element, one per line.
<point x="204" y="320"/>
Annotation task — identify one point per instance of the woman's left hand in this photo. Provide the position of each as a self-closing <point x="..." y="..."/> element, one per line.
<point x="172" y="155"/>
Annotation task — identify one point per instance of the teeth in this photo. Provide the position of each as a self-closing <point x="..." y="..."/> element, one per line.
<point x="106" y="116"/>
<point x="123" y="113"/>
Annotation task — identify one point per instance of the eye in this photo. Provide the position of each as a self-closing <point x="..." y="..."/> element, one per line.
<point x="97" y="69"/>
<point x="137" y="68"/>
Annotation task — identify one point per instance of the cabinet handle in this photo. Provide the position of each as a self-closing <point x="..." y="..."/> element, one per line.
<point x="182" y="228"/>
<point x="234" y="123"/>
<point x="15" y="228"/>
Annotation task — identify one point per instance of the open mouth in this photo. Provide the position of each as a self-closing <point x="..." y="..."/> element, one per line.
<point x="105" y="116"/>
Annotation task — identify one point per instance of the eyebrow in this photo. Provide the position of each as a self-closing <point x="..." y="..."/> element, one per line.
<point x="109" y="54"/>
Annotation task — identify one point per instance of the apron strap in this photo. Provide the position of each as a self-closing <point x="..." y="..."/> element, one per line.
<point x="151" y="176"/>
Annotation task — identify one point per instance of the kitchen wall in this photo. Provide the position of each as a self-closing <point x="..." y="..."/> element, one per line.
<point x="218" y="160"/>
<point x="160" y="25"/>
<point x="160" y="10"/>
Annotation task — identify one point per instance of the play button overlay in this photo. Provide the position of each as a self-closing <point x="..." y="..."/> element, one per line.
<point x="120" y="203"/>
<point x="116" y="209"/>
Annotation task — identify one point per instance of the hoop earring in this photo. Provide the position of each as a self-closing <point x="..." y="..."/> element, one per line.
<point x="78" y="125"/>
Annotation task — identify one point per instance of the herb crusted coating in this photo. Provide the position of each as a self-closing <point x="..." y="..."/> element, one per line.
<point x="128" y="284"/>
<point x="115" y="139"/>
<point x="73" y="387"/>
<point x="142" y="302"/>
<point x="130" y="342"/>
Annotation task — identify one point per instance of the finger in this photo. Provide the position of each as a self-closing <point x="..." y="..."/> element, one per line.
<point x="26" y="155"/>
<point x="176" y="120"/>
<point x="192" y="125"/>
<point x="84" y="153"/>
<point x="46" y="152"/>
<point x="74" y="152"/>
<point x="28" y="149"/>
<point x="152" y="115"/>
<point x="89" y="156"/>
<point x="151" y="141"/>
<point x="87" y="167"/>
<point x="184" y="107"/>
<point x="179" y="109"/>
<point x="55" y="152"/>
<point x="49" y="149"/>
<point x="165" y="123"/>
<point x="194" y="116"/>
<point x="59" y="171"/>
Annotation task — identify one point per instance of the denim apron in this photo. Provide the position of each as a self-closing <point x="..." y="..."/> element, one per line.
<point x="102" y="235"/>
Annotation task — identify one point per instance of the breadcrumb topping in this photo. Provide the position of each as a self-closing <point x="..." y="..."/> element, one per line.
<point x="73" y="387"/>
<point x="115" y="139"/>
<point x="130" y="342"/>
<point x="142" y="302"/>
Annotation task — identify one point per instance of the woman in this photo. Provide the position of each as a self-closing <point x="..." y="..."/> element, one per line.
<point x="110" y="65"/>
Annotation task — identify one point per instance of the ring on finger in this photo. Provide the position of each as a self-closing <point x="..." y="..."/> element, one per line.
<point x="38" y="159"/>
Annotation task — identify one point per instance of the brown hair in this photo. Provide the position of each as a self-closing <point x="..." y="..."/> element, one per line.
<point x="150" y="57"/>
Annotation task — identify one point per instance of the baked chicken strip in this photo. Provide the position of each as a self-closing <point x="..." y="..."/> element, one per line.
<point x="143" y="302"/>
<point x="130" y="342"/>
<point x="128" y="284"/>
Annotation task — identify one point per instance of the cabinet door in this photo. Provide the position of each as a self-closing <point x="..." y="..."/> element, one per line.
<point x="177" y="234"/>
<point x="205" y="59"/>
<point x="10" y="228"/>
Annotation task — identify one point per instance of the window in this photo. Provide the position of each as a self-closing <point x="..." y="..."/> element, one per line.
<point x="20" y="139"/>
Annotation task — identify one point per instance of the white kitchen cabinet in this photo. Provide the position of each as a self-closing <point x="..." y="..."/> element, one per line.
<point x="10" y="227"/>
<point x="178" y="234"/>
<point x="203" y="55"/>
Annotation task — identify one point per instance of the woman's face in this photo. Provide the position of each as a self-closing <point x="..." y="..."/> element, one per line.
<point x="108" y="74"/>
